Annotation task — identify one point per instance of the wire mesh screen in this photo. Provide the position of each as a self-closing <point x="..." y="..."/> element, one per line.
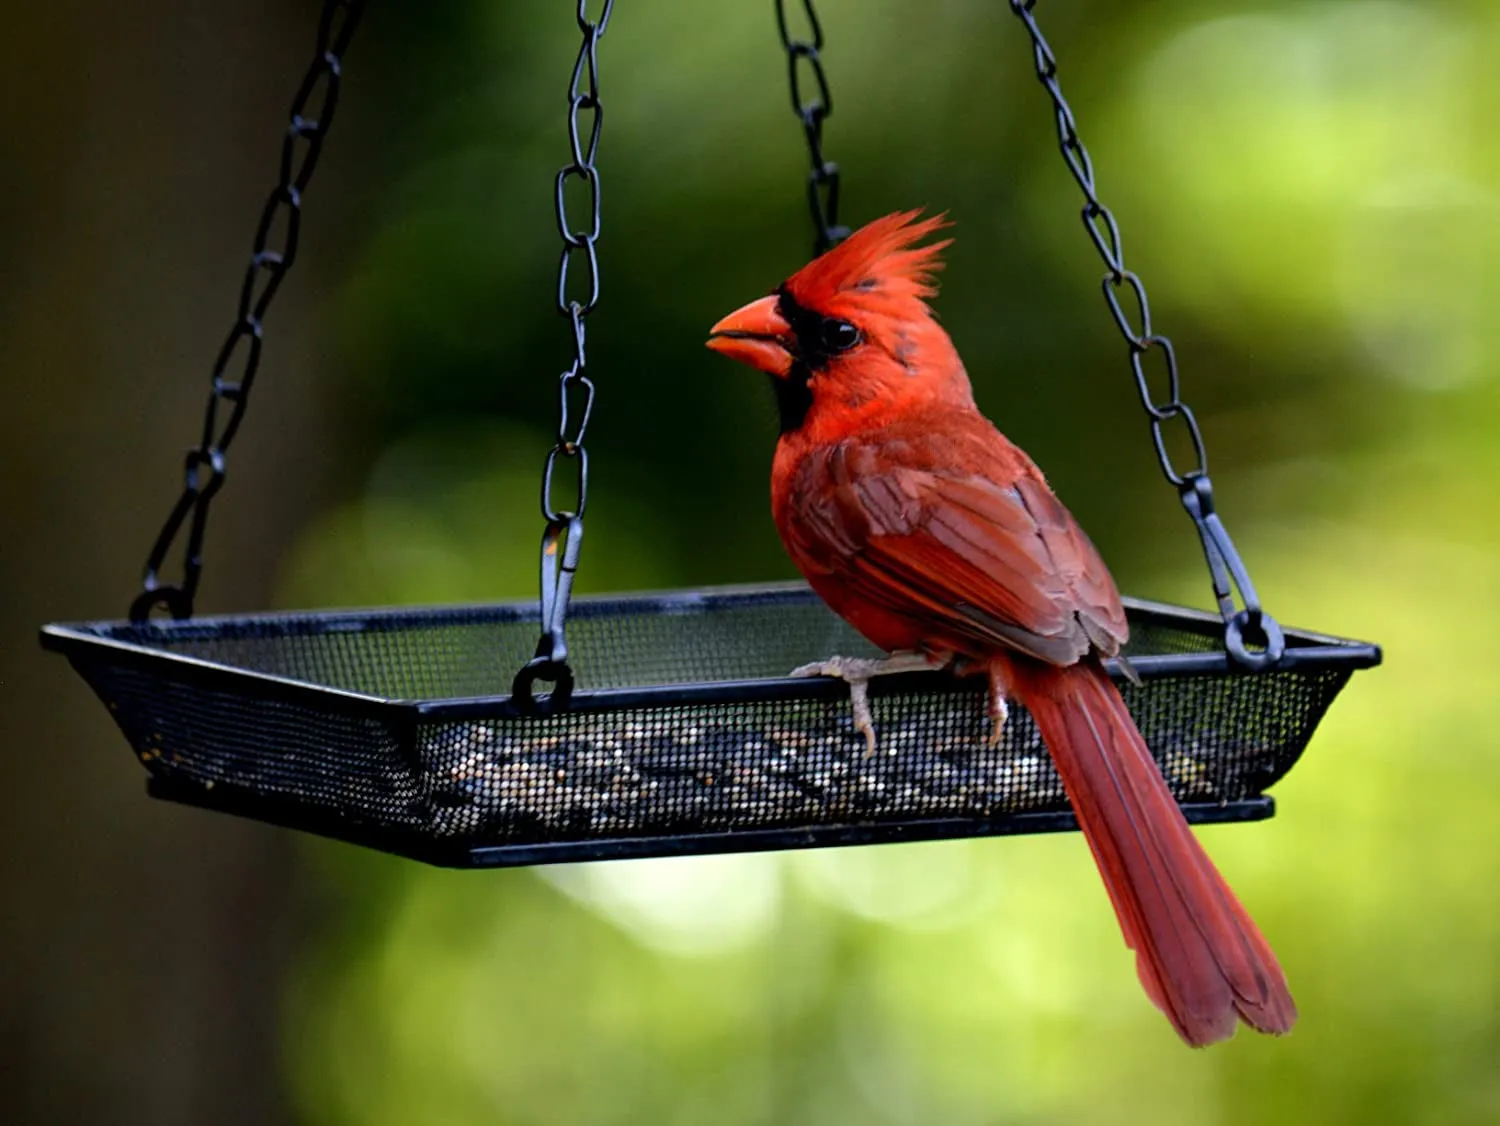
<point x="396" y="722"/>
<point x="781" y="763"/>
<point x="475" y="651"/>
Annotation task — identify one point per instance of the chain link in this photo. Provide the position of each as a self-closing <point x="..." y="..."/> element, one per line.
<point x="804" y="56"/>
<point x="238" y="358"/>
<point x="1129" y="307"/>
<point x="577" y="295"/>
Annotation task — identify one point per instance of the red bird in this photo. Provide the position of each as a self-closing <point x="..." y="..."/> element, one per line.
<point x="929" y="532"/>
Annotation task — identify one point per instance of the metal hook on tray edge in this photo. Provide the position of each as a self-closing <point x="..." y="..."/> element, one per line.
<point x="173" y="599"/>
<point x="1252" y="624"/>
<point x="559" y="565"/>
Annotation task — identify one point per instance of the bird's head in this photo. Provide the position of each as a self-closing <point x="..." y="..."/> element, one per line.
<point x="852" y="331"/>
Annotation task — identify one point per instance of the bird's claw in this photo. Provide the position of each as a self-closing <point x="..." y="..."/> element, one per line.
<point x="999" y="712"/>
<point x="845" y="669"/>
<point x="998" y="715"/>
<point x="834" y="666"/>
<point x="857" y="673"/>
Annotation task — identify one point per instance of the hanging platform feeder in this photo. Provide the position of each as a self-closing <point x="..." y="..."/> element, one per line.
<point x="683" y="734"/>
<point x="671" y="726"/>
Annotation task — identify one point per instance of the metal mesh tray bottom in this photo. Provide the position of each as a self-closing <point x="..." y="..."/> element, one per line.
<point x="382" y="727"/>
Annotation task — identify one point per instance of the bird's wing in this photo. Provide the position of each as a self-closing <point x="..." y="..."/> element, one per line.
<point x="965" y="535"/>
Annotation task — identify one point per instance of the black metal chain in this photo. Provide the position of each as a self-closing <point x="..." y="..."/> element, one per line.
<point x="562" y="539"/>
<point x="823" y="180"/>
<point x="1242" y="627"/>
<point x="241" y="351"/>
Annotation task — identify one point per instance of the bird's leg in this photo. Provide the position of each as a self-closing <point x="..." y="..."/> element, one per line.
<point x="997" y="708"/>
<point x="857" y="673"/>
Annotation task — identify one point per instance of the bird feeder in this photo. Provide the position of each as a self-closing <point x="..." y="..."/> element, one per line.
<point x="669" y="725"/>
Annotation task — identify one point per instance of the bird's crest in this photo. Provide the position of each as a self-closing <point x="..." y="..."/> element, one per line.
<point x="880" y="261"/>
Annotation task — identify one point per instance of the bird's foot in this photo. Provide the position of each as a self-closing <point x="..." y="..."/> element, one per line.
<point x="857" y="672"/>
<point x="998" y="710"/>
<point x="999" y="713"/>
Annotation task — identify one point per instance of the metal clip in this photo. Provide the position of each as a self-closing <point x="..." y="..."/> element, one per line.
<point x="1242" y="628"/>
<point x="559" y="565"/>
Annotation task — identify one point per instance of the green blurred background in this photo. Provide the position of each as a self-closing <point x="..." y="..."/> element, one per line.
<point x="1312" y="192"/>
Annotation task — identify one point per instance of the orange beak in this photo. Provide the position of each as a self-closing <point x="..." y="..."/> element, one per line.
<point x="757" y="335"/>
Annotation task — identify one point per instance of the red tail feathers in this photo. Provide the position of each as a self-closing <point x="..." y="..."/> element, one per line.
<point x="1199" y="955"/>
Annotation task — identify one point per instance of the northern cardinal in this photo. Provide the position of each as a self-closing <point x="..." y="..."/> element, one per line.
<point x="940" y="541"/>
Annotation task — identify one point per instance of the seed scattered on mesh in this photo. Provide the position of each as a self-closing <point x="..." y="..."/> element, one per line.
<point x="603" y="777"/>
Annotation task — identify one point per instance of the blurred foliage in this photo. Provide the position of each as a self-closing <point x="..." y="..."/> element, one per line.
<point x="1310" y="190"/>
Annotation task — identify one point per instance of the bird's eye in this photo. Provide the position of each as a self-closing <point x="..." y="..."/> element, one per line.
<point x="839" y="336"/>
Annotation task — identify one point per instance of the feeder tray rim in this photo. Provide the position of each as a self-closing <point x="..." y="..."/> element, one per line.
<point x="94" y="639"/>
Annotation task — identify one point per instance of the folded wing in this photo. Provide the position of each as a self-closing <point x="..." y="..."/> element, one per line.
<point x="959" y="529"/>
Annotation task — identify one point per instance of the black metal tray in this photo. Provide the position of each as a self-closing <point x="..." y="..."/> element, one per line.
<point x="394" y="728"/>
